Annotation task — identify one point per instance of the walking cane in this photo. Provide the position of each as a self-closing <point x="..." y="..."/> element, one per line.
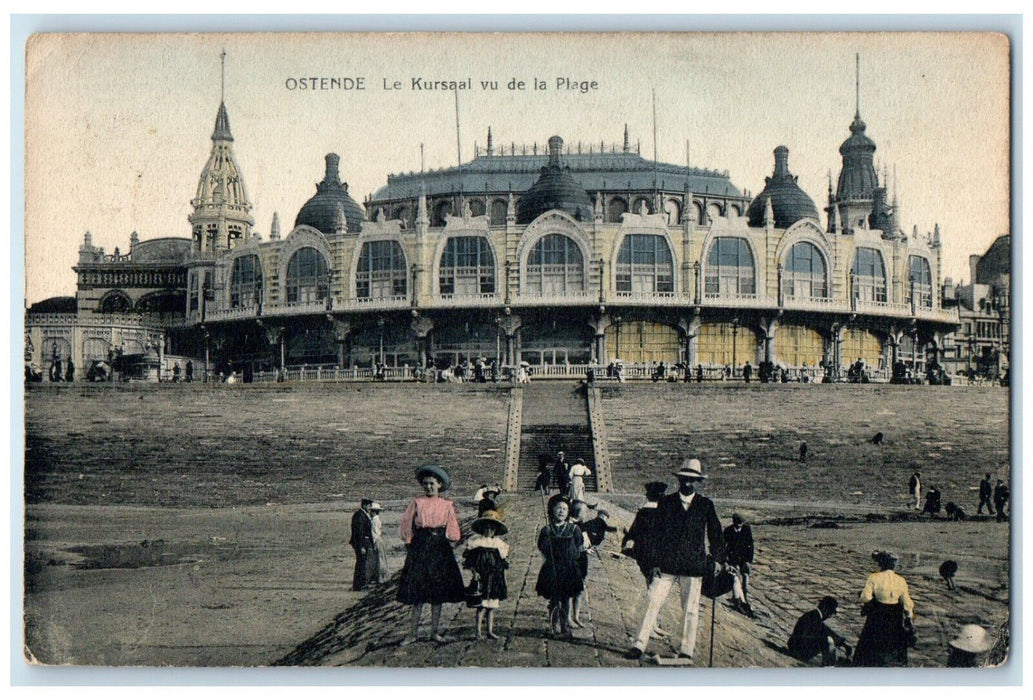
<point x="713" y="612"/>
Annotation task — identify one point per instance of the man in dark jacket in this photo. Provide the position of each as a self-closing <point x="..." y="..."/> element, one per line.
<point x="367" y="565"/>
<point x="738" y="541"/>
<point x="1001" y="496"/>
<point x="685" y="522"/>
<point x="561" y="472"/>
<point x="811" y="636"/>
<point x="985" y="489"/>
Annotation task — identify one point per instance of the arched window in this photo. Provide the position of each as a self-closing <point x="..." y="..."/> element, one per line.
<point x="555" y="266"/>
<point x="499" y="210"/>
<point x="644" y="264"/>
<point x="116" y="302"/>
<point x="730" y="270"/>
<point x="245" y="281"/>
<point x="382" y="271"/>
<point x="467" y="266"/>
<point x="869" y="275"/>
<point x="672" y="212"/>
<point x="307" y="278"/>
<point x="803" y="274"/>
<point x="615" y="210"/>
<point x="921" y="280"/>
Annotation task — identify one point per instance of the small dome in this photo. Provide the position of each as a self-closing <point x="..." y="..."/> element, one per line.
<point x="555" y="188"/>
<point x="321" y="212"/>
<point x="788" y="202"/>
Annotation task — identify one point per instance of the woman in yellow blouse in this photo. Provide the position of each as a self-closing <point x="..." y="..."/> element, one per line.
<point x="888" y="607"/>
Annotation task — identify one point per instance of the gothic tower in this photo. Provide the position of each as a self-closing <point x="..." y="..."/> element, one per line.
<point x="222" y="211"/>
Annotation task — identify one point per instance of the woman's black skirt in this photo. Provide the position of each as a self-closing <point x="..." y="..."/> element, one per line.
<point x="883" y="641"/>
<point x="430" y="573"/>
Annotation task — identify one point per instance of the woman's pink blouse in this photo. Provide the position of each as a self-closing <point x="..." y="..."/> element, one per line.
<point x="430" y="511"/>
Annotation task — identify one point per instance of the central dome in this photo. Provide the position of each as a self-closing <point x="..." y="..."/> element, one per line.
<point x="321" y="212"/>
<point x="555" y="188"/>
<point x="788" y="202"/>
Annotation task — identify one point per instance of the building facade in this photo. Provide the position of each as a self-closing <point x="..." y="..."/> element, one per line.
<point x="557" y="257"/>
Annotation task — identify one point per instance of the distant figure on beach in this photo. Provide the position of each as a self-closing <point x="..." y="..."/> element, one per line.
<point x="932" y="502"/>
<point x="803" y="451"/>
<point x="1001" y="496"/>
<point x="812" y="636"/>
<point x="699" y="374"/>
<point x="429" y="527"/>
<point x="747" y="372"/>
<point x="366" y="559"/>
<point x="544" y="474"/>
<point x="967" y="649"/>
<point x="383" y="570"/>
<point x="485" y="555"/>
<point x="561" y="472"/>
<point x="576" y="477"/>
<point x="888" y="609"/>
<point x="985" y="491"/>
<point x="69" y="370"/>
<point x="947" y="571"/>
<point x="954" y="511"/>
<point x="489" y="501"/>
<point x="176" y="371"/>
<point x="190" y="371"/>
<point x="914" y="487"/>
<point x="877" y="439"/>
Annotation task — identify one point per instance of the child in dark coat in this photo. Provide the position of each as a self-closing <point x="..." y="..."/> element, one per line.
<point x="561" y="542"/>
<point x="486" y="555"/>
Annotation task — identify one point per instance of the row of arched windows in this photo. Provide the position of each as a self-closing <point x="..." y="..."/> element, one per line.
<point x="556" y="266"/>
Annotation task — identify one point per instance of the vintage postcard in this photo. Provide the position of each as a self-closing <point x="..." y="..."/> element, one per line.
<point x="451" y="350"/>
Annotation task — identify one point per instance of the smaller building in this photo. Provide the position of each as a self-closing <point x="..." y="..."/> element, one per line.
<point x="981" y="348"/>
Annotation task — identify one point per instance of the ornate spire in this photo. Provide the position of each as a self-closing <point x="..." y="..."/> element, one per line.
<point x="627" y="143"/>
<point x="274" y="231"/>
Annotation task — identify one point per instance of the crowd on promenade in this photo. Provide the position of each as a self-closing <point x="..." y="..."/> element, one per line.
<point x="675" y="538"/>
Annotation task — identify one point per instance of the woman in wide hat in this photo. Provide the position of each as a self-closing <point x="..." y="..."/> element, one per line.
<point x="888" y="610"/>
<point x="430" y="528"/>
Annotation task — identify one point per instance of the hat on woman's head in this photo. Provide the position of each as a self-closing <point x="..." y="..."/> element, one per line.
<point x="435" y="471"/>
<point x="886" y="560"/>
<point x="691" y="468"/>
<point x="490" y="517"/>
<point x="973" y="639"/>
<point x="374" y="506"/>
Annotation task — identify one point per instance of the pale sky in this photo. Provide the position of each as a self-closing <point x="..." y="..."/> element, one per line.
<point x="118" y="126"/>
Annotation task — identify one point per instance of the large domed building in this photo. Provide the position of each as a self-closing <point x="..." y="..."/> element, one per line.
<point x="560" y="257"/>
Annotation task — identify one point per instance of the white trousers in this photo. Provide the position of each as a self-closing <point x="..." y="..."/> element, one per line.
<point x="690" y="587"/>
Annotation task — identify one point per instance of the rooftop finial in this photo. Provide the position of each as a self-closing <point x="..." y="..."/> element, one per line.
<point x="627" y="144"/>
<point x="222" y="91"/>
<point x="857" y="85"/>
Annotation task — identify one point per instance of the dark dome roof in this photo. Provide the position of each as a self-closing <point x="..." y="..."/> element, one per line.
<point x="321" y="211"/>
<point x="995" y="262"/>
<point x="55" y="305"/>
<point x="555" y="188"/>
<point x="857" y="179"/>
<point x="788" y="202"/>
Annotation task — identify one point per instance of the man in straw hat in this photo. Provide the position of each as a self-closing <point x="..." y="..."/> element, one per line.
<point x="685" y="522"/>
<point x="971" y="643"/>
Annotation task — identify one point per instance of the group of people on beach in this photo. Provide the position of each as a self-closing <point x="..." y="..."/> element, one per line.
<point x="934" y="499"/>
<point x="674" y="538"/>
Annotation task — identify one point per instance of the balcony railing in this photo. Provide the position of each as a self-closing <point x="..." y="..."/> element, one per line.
<point x="460" y="300"/>
<point x="396" y="301"/>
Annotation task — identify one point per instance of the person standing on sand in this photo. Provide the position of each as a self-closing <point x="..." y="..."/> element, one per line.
<point x="914" y="486"/>
<point x="576" y="477"/>
<point x="1001" y="496"/>
<point x="561" y="472"/>
<point x="429" y="528"/>
<point x="738" y="541"/>
<point x="362" y="541"/>
<point x="685" y="523"/>
<point x="888" y="610"/>
<point x="985" y="491"/>
<point x="383" y="571"/>
<point x="561" y="542"/>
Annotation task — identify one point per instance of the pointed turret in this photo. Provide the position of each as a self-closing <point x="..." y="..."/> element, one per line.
<point x="274" y="230"/>
<point x="857" y="178"/>
<point x="627" y="143"/>
<point x="222" y="210"/>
